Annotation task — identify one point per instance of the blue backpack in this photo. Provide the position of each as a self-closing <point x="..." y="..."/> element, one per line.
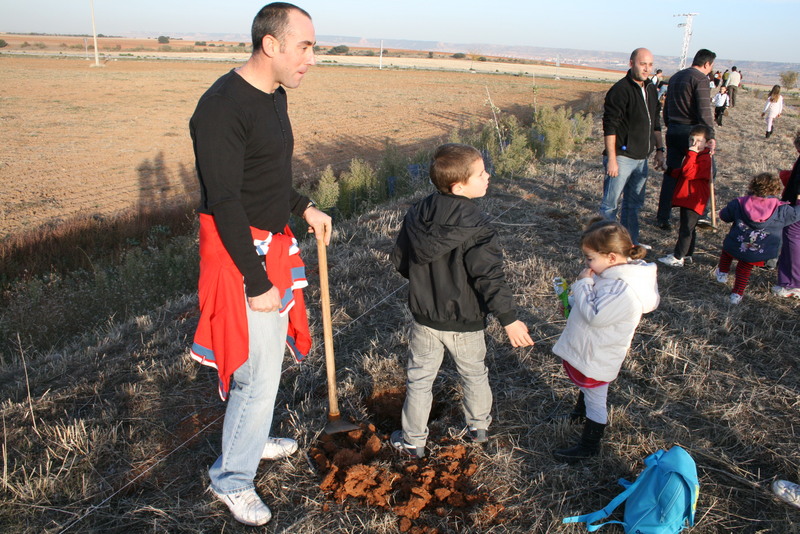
<point x="662" y="500"/>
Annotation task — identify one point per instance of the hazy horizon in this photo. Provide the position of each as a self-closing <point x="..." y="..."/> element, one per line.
<point x="739" y="30"/>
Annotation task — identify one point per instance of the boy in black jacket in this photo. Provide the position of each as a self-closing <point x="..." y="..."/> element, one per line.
<point x="453" y="261"/>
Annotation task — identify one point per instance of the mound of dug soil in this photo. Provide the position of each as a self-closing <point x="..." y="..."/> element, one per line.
<point x="362" y="466"/>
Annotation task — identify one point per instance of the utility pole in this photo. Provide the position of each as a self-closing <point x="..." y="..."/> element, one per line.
<point x="687" y="36"/>
<point x="94" y="32"/>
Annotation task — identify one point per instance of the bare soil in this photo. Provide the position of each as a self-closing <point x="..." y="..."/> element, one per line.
<point x="95" y="141"/>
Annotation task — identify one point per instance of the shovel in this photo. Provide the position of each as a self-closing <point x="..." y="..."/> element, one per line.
<point x="335" y="422"/>
<point x="713" y="199"/>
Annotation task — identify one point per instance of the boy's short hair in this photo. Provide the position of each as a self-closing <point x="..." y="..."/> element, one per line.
<point x="451" y="165"/>
<point x="765" y="185"/>
<point x="700" y="129"/>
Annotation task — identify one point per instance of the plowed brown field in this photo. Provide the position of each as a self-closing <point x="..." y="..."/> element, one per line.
<point x="85" y="141"/>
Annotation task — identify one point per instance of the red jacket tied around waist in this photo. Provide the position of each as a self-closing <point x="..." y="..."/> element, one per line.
<point x="221" y="340"/>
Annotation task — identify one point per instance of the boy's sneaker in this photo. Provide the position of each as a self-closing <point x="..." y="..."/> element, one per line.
<point x="476" y="435"/>
<point x="786" y="292"/>
<point x="399" y="443"/>
<point x="646" y="247"/>
<point x="278" y="448"/>
<point x="671" y="260"/>
<point x="736" y="298"/>
<point x="246" y="507"/>
<point x="704" y="221"/>
<point x="786" y="491"/>
<point x="722" y="278"/>
<point x="687" y="260"/>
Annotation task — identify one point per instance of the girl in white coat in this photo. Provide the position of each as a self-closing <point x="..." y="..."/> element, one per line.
<point x="608" y="300"/>
<point x="774" y="107"/>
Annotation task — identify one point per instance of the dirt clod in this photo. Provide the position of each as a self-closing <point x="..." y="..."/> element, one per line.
<point x="360" y="466"/>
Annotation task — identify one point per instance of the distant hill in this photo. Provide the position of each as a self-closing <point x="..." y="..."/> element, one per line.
<point x="761" y="72"/>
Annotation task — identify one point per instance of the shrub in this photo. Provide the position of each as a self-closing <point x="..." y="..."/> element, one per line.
<point x="339" y="50"/>
<point x="789" y="79"/>
<point x="163" y="39"/>
<point x="359" y="188"/>
<point x="3" y="43"/>
<point x="459" y="55"/>
<point x="551" y="133"/>
<point x="326" y="195"/>
<point x="200" y="43"/>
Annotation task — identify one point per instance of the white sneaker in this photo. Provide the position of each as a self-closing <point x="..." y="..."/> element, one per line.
<point x="672" y="261"/>
<point x="278" y="448"/>
<point x="646" y="247"/>
<point x="787" y="492"/>
<point x="736" y="298"/>
<point x="246" y="507"/>
<point x="722" y="278"/>
<point x="786" y="292"/>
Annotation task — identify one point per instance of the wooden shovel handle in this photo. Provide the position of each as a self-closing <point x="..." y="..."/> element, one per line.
<point x="327" y="329"/>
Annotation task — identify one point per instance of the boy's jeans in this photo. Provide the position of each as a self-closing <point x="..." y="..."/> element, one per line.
<point x="248" y="417"/>
<point x="426" y="351"/>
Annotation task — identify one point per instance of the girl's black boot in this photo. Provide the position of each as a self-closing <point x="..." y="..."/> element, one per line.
<point x="588" y="446"/>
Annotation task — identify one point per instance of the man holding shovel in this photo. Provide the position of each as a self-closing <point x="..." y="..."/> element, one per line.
<point x="250" y="271"/>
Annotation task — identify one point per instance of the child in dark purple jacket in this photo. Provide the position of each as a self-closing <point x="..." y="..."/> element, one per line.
<point x="755" y="235"/>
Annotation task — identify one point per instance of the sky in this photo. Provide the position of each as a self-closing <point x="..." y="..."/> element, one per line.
<point x="734" y="29"/>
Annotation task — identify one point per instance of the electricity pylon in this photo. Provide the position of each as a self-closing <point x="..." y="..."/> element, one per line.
<point x="687" y="36"/>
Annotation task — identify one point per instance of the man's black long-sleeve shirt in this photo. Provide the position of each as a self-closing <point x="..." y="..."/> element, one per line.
<point x="243" y="147"/>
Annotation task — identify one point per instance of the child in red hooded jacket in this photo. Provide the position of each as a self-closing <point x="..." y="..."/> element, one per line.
<point x="691" y="194"/>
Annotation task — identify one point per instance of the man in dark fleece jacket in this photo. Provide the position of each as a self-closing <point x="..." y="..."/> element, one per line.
<point x="453" y="260"/>
<point x="631" y="131"/>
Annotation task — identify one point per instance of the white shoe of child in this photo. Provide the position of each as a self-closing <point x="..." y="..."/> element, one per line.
<point x="736" y="298"/>
<point x="722" y="278"/>
<point x="786" y="292"/>
<point x="671" y="261"/>
<point x="787" y="492"/>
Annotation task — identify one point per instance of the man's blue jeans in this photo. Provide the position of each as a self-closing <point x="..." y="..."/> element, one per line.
<point x="248" y="417"/>
<point x="630" y="184"/>
<point x="426" y="352"/>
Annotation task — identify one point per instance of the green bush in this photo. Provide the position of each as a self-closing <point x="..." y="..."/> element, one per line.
<point x="339" y="50"/>
<point x="359" y="188"/>
<point x="200" y="43"/>
<point x="789" y="79"/>
<point x="326" y="195"/>
<point x="163" y="39"/>
<point x="3" y="43"/>
<point x="551" y="133"/>
<point x="459" y="55"/>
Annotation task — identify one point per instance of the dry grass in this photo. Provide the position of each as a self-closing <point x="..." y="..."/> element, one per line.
<point x="115" y="432"/>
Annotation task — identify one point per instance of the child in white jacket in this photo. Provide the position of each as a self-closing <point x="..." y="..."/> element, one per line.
<point x="608" y="300"/>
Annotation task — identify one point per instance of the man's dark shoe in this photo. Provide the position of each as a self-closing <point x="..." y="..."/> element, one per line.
<point x="704" y="221"/>
<point x="664" y="225"/>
